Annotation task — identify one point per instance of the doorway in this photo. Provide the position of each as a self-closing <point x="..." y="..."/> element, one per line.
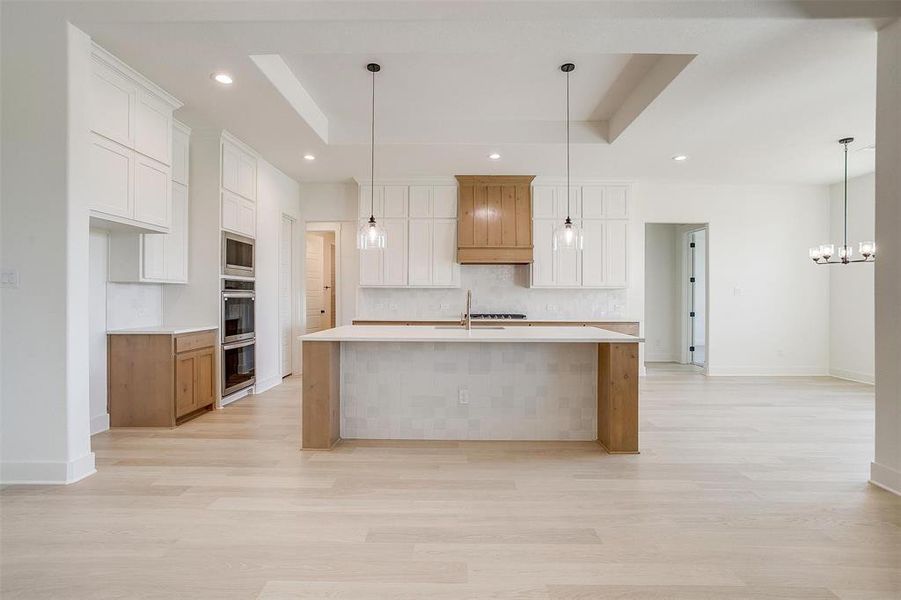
<point x="321" y="277"/>
<point x="286" y="295"/>
<point x="676" y="298"/>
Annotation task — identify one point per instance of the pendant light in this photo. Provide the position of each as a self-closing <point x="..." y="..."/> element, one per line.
<point x="371" y="234"/>
<point x="567" y="236"/>
<point x="823" y="254"/>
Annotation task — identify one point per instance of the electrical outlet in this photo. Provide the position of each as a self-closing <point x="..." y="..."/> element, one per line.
<point x="9" y="278"/>
<point x="463" y="396"/>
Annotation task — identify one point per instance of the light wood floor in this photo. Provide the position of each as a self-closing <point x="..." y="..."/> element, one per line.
<point x="745" y="488"/>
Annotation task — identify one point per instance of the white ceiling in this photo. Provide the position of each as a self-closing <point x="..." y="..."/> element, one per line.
<point x="770" y="91"/>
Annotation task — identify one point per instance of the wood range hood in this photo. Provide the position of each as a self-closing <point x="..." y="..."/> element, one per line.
<point x="494" y="219"/>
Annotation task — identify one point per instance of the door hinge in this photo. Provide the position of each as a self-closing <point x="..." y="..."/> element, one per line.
<point x="691" y="279"/>
<point x="691" y="245"/>
<point x="691" y="314"/>
<point x="691" y="348"/>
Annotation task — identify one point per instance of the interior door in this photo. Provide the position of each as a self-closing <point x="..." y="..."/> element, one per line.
<point x="285" y="302"/>
<point x="697" y="252"/>
<point x="314" y="283"/>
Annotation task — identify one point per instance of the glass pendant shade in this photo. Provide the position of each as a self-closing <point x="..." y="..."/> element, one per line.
<point x="845" y="252"/>
<point x="371" y="235"/>
<point x="867" y="249"/>
<point x="815" y="253"/>
<point x="568" y="236"/>
<point x="827" y="250"/>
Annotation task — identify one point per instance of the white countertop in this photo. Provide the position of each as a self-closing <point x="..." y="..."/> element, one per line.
<point x="416" y="333"/>
<point x="160" y="330"/>
<point x="474" y="321"/>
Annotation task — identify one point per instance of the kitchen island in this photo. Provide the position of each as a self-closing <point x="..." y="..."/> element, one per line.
<point x="487" y="383"/>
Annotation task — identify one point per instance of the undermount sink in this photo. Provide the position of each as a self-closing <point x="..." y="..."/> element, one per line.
<point x="463" y="328"/>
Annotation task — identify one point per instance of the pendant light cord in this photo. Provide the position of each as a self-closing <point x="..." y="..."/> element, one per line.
<point x="372" y="155"/>
<point x="568" y="193"/>
<point x="846" y="200"/>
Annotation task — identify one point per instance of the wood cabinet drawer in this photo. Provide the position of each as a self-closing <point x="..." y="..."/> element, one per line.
<point x="193" y="341"/>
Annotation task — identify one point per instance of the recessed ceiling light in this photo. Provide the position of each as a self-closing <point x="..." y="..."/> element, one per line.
<point x="680" y="157"/>
<point x="309" y="157"/>
<point x="223" y="78"/>
<point x="494" y="156"/>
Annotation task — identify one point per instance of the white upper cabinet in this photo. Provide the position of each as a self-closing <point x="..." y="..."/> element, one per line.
<point x="420" y="222"/>
<point x="156" y="257"/>
<point x="153" y="128"/>
<point x="395" y="201"/>
<point x="239" y="170"/>
<point x="238" y="214"/>
<point x="131" y="146"/>
<point x="180" y="153"/>
<point x="444" y="202"/>
<point x="602" y="211"/>
<point x="371" y="201"/>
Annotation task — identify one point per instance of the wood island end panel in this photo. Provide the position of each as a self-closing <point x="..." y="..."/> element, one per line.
<point x="321" y="400"/>
<point x="618" y="397"/>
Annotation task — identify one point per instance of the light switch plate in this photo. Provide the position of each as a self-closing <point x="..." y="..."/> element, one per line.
<point x="9" y="278"/>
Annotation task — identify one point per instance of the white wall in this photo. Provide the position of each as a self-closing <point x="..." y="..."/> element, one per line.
<point x="885" y="470"/>
<point x="277" y="194"/>
<point x="768" y="304"/>
<point x="44" y="378"/>
<point x="663" y="264"/>
<point x="852" y="343"/>
<point x="112" y="306"/>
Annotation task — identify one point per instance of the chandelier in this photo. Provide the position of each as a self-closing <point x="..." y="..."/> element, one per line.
<point x="822" y="255"/>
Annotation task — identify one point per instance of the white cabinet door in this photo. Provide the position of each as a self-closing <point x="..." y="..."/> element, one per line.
<point x="370" y="197"/>
<point x="152" y="195"/>
<point x="420" y="244"/>
<point x="568" y="272"/>
<point x="594" y="253"/>
<point x="444" y="202"/>
<point x="247" y="218"/>
<point x="247" y="176"/>
<point x="593" y="201"/>
<point x="230" y="211"/>
<point x="394" y="263"/>
<point x="544" y="202"/>
<point x="616" y="202"/>
<point x="154" y="256"/>
<point x="371" y="267"/>
<point x="395" y="201"/>
<point x="180" y="156"/>
<point x="575" y="202"/>
<point x="153" y="128"/>
<point x="177" y="239"/>
<point x="617" y="243"/>
<point x="420" y="201"/>
<point x="112" y="104"/>
<point x="231" y="159"/>
<point x="112" y="171"/>
<point x="445" y="270"/>
<point x="543" y="253"/>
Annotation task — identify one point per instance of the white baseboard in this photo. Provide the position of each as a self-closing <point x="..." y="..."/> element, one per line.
<point x="47" y="472"/>
<point x="853" y="376"/>
<point x="267" y="384"/>
<point x="766" y="371"/>
<point x="660" y="358"/>
<point x="885" y="477"/>
<point x="99" y="423"/>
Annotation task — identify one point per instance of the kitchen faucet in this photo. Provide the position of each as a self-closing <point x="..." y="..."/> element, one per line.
<point x="466" y="321"/>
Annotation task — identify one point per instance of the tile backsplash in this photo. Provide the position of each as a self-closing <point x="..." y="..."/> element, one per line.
<point x="495" y="288"/>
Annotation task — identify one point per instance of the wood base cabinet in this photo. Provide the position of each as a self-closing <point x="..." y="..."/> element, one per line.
<point x="160" y="380"/>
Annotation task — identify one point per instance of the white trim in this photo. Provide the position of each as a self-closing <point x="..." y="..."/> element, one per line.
<point x="99" y="423"/>
<point x="292" y="268"/>
<point x="767" y="371"/>
<point x="52" y="473"/>
<point x="561" y="181"/>
<point x="230" y="137"/>
<point x="104" y="56"/>
<point x="434" y="180"/>
<point x="856" y="376"/>
<point x="182" y="128"/>
<point x="885" y="477"/>
<point x="267" y="384"/>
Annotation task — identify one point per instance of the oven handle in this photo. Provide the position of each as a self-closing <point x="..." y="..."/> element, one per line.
<point x="227" y="295"/>
<point x="240" y="344"/>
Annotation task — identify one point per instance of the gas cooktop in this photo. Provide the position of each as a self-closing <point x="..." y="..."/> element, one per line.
<point x="498" y="316"/>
